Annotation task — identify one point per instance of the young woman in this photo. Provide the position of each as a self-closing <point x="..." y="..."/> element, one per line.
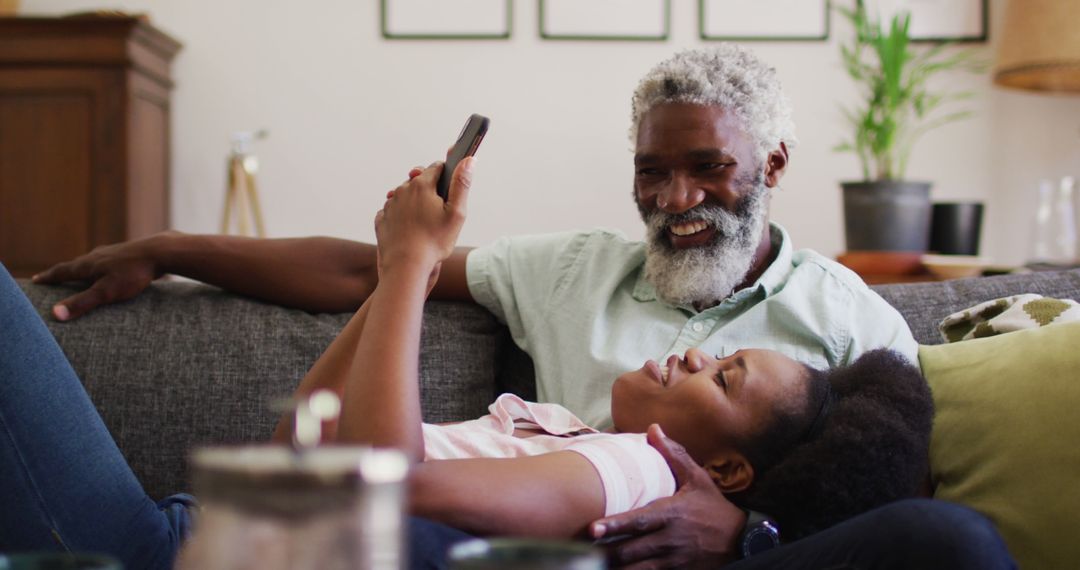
<point x="755" y="419"/>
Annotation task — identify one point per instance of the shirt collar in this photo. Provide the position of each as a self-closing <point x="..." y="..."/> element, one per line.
<point x="769" y="282"/>
<point x="778" y="271"/>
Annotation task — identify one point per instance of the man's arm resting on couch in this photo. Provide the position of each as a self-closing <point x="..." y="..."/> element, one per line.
<point x="316" y="274"/>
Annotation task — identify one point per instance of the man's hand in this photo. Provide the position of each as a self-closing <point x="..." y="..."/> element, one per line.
<point x="116" y="273"/>
<point x="695" y="528"/>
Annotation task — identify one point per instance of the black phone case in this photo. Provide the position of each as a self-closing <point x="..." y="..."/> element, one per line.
<point x="467" y="142"/>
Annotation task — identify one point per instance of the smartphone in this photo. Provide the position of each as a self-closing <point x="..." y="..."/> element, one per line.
<point x="467" y="142"/>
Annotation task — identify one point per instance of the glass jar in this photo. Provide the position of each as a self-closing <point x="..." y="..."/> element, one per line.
<point x="270" y="507"/>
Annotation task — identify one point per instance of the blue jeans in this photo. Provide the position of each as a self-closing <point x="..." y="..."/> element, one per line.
<point x="915" y="534"/>
<point x="912" y="534"/>
<point x="64" y="485"/>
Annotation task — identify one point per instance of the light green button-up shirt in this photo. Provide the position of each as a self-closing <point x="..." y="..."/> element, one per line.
<point x="579" y="305"/>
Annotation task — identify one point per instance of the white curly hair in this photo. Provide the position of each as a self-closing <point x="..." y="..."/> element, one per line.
<point x="727" y="76"/>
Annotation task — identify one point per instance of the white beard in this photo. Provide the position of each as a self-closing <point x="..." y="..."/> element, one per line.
<point x="703" y="276"/>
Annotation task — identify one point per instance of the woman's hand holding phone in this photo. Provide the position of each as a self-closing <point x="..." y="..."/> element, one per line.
<point x="411" y="225"/>
<point x="415" y="225"/>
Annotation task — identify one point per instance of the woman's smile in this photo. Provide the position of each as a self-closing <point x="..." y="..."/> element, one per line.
<point x="661" y="373"/>
<point x="656" y="372"/>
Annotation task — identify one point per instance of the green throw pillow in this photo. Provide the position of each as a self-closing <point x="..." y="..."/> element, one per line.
<point x="1006" y="439"/>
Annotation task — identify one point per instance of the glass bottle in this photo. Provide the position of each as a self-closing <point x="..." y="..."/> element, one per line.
<point x="1068" y="186"/>
<point x="1054" y="239"/>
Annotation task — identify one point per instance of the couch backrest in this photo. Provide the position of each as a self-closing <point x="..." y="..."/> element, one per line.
<point x="923" y="305"/>
<point x="185" y="364"/>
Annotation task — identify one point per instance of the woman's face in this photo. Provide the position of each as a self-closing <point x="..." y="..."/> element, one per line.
<point x="704" y="403"/>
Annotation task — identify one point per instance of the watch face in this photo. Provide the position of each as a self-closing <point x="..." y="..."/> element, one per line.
<point x="760" y="537"/>
<point x="759" y="541"/>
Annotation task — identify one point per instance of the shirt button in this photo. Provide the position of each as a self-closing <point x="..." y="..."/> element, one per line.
<point x="698" y="327"/>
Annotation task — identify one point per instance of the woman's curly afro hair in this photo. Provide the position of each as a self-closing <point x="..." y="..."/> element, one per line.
<point x="870" y="448"/>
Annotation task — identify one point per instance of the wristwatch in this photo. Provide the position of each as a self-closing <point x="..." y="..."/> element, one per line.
<point x="759" y="534"/>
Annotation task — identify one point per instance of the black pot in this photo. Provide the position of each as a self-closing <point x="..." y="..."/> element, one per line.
<point x="887" y="215"/>
<point x="955" y="228"/>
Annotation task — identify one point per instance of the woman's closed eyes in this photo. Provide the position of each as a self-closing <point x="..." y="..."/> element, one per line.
<point x="721" y="380"/>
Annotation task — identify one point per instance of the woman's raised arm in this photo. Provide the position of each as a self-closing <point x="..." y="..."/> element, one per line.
<point x="416" y="231"/>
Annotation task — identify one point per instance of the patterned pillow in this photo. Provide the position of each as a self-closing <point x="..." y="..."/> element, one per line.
<point x="1007" y="314"/>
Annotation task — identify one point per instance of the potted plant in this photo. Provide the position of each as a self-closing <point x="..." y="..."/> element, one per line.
<point x="884" y="211"/>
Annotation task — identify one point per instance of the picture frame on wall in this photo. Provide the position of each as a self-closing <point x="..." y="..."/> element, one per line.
<point x="763" y="20"/>
<point x="937" y="20"/>
<point x="620" y="20"/>
<point x="446" y="19"/>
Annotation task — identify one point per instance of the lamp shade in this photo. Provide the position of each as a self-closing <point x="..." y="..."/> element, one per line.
<point x="1040" y="46"/>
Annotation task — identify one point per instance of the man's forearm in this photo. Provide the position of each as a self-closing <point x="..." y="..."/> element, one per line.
<point x="317" y="274"/>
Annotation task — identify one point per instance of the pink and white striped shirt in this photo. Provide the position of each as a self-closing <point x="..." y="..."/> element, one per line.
<point x="632" y="472"/>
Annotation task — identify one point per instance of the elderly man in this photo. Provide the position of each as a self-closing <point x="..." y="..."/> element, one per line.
<point x="712" y="132"/>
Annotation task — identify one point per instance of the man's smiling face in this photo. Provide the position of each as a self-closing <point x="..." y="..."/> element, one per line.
<point x="703" y="195"/>
<point x="687" y="155"/>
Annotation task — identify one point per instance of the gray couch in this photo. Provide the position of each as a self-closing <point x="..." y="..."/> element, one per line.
<point x="186" y="364"/>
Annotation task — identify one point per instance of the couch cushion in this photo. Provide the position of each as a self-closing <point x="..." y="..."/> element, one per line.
<point x="186" y="364"/>
<point x="924" y="305"/>
<point x="1005" y="436"/>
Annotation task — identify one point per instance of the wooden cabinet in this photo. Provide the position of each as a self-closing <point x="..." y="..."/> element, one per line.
<point x="84" y="136"/>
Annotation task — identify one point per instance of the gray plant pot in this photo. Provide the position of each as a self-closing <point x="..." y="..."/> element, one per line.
<point x="887" y="215"/>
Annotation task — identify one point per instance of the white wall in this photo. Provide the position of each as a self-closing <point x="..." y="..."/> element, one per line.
<point x="349" y="113"/>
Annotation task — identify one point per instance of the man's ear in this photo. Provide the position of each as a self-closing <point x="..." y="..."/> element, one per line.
<point x="731" y="472"/>
<point x="775" y="165"/>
